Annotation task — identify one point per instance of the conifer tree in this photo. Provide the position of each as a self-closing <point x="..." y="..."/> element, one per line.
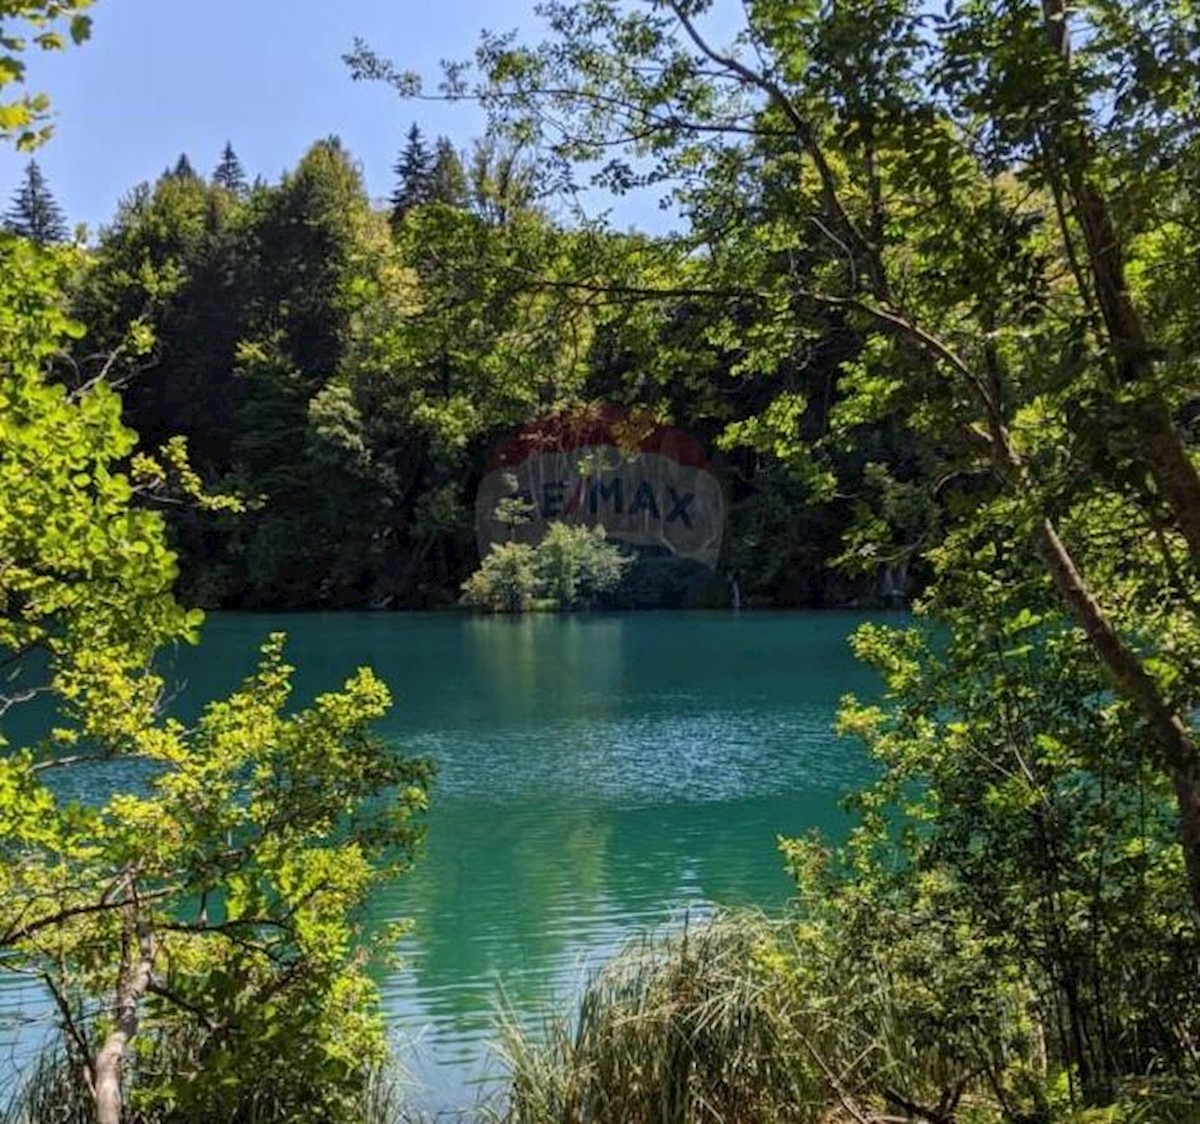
<point x="447" y="179"/>
<point x="183" y="168"/>
<point x="34" y="213"/>
<point x="229" y="173"/>
<point x="413" y="170"/>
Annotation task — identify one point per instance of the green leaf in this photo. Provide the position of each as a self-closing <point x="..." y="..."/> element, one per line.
<point x="81" y="29"/>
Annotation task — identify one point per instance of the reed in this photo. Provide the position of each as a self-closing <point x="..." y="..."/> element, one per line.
<point x="734" y="1021"/>
<point x="694" y="1026"/>
<point x="53" y="1091"/>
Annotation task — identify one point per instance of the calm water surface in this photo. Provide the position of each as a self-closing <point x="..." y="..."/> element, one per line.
<point x="597" y="776"/>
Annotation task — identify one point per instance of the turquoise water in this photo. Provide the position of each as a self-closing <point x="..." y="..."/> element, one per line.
<point x="597" y="776"/>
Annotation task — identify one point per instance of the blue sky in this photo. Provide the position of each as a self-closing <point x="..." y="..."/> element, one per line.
<point x="161" y="77"/>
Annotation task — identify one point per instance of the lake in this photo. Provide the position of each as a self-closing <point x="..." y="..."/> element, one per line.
<point x="597" y="776"/>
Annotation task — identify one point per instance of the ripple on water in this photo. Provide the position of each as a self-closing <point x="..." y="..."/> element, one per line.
<point x="643" y="759"/>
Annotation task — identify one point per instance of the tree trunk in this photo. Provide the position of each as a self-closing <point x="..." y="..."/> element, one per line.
<point x="1180" y="755"/>
<point x="1159" y="442"/>
<point x="133" y="981"/>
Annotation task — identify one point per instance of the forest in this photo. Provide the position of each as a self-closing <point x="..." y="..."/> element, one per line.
<point x="932" y="312"/>
<point x="342" y="371"/>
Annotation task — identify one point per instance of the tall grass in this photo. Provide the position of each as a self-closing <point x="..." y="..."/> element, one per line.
<point x="733" y="1022"/>
<point x="693" y="1026"/>
<point x="53" y="1091"/>
<point x="743" y="1019"/>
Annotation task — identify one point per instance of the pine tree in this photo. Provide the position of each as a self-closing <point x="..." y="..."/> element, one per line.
<point x="413" y="171"/>
<point x="183" y="169"/>
<point x="447" y="180"/>
<point x="34" y="214"/>
<point x="229" y="173"/>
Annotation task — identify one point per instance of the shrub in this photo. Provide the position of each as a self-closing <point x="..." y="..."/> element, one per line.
<point x="506" y="582"/>
<point x="571" y="567"/>
<point x="577" y="565"/>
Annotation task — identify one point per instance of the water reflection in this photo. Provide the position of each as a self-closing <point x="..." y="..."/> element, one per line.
<point x="534" y="663"/>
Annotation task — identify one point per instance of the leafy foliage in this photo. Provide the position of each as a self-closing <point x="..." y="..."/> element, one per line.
<point x="506" y="580"/>
<point x="571" y="567"/>
<point x="46" y="25"/>
<point x="1038" y="824"/>
<point x="219" y="897"/>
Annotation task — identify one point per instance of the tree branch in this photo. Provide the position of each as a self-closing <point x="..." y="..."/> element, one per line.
<point x="24" y="932"/>
<point x="808" y="141"/>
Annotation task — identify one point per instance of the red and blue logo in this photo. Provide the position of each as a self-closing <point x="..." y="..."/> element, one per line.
<point x="645" y="483"/>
